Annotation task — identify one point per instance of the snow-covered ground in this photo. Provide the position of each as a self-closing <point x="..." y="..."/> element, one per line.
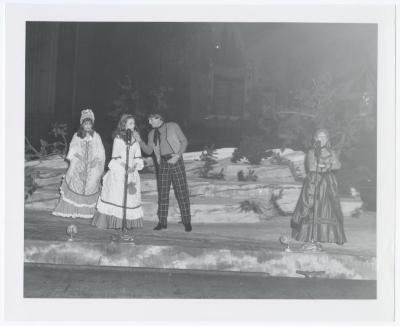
<point x="275" y="182"/>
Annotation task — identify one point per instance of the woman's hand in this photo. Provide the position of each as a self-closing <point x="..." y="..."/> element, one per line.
<point x="134" y="168"/>
<point x="94" y="162"/>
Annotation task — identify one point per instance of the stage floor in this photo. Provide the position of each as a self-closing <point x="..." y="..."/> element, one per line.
<point x="360" y="232"/>
<point x="253" y="247"/>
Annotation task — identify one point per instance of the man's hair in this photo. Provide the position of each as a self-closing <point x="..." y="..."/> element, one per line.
<point x="154" y="113"/>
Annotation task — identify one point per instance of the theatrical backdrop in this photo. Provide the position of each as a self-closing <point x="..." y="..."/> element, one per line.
<point x="222" y="82"/>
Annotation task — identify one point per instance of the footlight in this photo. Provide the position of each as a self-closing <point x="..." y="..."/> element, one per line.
<point x="285" y="240"/>
<point x="71" y="230"/>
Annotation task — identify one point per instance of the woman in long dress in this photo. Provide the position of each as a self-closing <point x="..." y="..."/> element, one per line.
<point x="318" y="215"/>
<point x="80" y="187"/>
<point x="110" y="205"/>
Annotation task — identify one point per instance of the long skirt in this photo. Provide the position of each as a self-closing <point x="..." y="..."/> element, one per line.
<point x="110" y="205"/>
<point x="318" y="215"/>
<point x="73" y="204"/>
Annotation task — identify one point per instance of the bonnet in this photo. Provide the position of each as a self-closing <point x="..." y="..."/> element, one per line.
<point x="87" y="114"/>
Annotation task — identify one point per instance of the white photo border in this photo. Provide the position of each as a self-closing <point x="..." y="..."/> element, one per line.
<point x="18" y="308"/>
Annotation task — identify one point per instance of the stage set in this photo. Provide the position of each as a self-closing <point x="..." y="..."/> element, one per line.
<point x="248" y="97"/>
<point x="226" y="237"/>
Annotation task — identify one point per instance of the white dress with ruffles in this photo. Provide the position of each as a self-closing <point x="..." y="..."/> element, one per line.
<point x="110" y="205"/>
<point x="80" y="186"/>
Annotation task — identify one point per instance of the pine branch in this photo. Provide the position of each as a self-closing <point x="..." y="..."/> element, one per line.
<point x="30" y="146"/>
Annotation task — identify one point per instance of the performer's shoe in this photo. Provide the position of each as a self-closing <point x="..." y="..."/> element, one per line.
<point x="160" y="226"/>
<point x="188" y="227"/>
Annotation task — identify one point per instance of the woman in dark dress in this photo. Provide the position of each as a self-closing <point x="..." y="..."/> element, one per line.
<point x="318" y="215"/>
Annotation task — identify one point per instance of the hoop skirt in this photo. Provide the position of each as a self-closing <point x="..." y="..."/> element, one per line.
<point x="80" y="187"/>
<point x="326" y="225"/>
<point x="110" y="204"/>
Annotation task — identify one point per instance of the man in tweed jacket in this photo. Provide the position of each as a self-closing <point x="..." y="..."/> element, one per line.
<point x="168" y="143"/>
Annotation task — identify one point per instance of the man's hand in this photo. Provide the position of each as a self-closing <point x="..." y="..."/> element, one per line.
<point x="137" y="136"/>
<point x="174" y="158"/>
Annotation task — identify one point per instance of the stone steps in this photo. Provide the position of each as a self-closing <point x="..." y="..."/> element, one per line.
<point x="208" y="210"/>
<point x="275" y="192"/>
<point x="266" y="173"/>
<point x="204" y="210"/>
<point x="224" y="197"/>
<point x="224" y="189"/>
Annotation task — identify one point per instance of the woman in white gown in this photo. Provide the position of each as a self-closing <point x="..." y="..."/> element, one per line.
<point x="80" y="187"/>
<point x="110" y="205"/>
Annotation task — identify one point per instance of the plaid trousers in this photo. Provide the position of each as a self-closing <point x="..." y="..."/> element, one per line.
<point x="172" y="173"/>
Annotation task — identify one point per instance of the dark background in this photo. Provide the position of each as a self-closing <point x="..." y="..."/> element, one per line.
<point x="209" y="75"/>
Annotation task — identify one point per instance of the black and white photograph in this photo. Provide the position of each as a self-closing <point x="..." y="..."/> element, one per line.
<point x="203" y="160"/>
